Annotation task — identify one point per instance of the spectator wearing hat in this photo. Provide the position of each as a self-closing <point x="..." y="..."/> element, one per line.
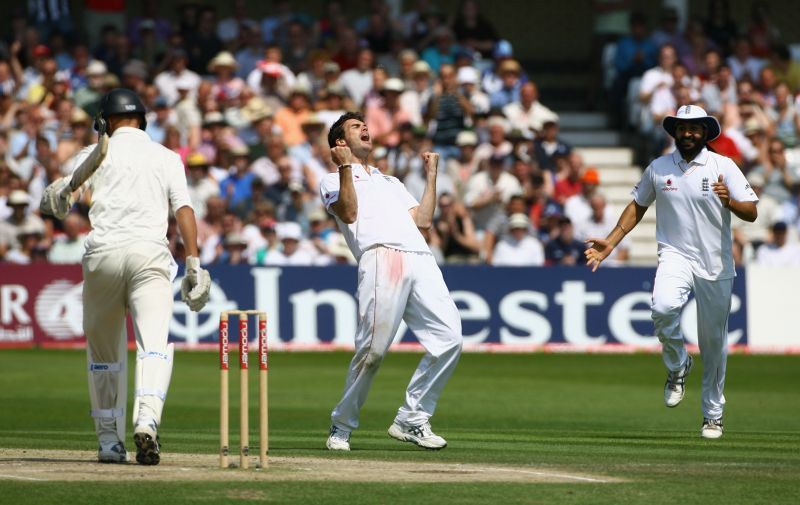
<point x="528" y="114"/>
<point x="260" y="120"/>
<point x="88" y="96"/>
<point x="233" y="250"/>
<point x="450" y="109"/>
<point x="385" y="117"/>
<point x="510" y="73"/>
<point x="177" y="77"/>
<point x="225" y="84"/>
<point x="491" y="80"/>
<point x="20" y="218"/>
<point x="271" y="80"/>
<point x="489" y="190"/>
<point x="779" y="252"/>
<point x="578" y="207"/>
<point x="292" y="251"/>
<point x="468" y="78"/>
<point x="564" y="249"/>
<point x="418" y="94"/>
<point x="463" y="167"/>
<point x="28" y="246"/>
<point x="68" y="248"/>
<point x="498" y="226"/>
<point x="518" y="248"/>
<point x="200" y="184"/>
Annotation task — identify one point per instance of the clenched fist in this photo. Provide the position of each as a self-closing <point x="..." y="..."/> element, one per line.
<point x="431" y="161"/>
<point x="341" y="155"/>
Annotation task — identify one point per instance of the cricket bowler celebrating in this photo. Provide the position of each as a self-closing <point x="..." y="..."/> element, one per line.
<point x="398" y="278"/>
<point x="127" y="266"/>
<point x="695" y="191"/>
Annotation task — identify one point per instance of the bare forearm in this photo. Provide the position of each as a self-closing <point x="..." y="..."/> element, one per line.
<point x="423" y="218"/>
<point x="630" y="217"/>
<point x="187" y="225"/>
<point x="346" y="207"/>
<point x="746" y="211"/>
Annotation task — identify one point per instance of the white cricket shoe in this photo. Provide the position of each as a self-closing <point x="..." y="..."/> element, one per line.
<point x="338" y="440"/>
<point x="421" y="435"/>
<point x="712" y="428"/>
<point x="112" y="452"/>
<point x="675" y="388"/>
<point x="148" y="450"/>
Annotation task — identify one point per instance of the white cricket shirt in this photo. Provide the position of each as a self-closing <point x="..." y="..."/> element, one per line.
<point x="133" y="190"/>
<point x="383" y="217"/>
<point x="690" y="219"/>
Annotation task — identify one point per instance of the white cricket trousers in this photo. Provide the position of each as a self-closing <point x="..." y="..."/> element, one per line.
<point x="393" y="286"/>
<point x="135" y="277"/>
<point x="674" y="282"/>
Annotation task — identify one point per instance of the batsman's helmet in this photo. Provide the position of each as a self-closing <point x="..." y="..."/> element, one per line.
<point x="120" y="101"/>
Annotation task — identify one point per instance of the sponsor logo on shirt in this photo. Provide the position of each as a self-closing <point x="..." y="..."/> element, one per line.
<point x="668" y="185"/>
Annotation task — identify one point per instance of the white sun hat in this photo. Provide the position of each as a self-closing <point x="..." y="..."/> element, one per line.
<point x="693" y="114"/>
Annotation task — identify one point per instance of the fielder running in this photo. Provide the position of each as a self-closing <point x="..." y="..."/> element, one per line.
<point x="397" y="279"/>
<point x="695" y="191"/>
<point x="128" y="267"/>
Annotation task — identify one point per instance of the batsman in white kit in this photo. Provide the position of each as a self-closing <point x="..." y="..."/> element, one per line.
<point x="695" y="191"/>
<point x="127" y="266"/>
<point x="398" y="279"/>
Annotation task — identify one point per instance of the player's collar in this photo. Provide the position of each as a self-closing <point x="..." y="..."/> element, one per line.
<point x="122" y="130"/>
<point x="700" y="159"/>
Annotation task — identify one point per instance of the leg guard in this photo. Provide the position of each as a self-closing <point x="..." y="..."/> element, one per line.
<point x="108" y="385"/>
<point x="153" y="374"/>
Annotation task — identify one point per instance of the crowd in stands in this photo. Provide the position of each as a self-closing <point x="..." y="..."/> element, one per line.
<point x="247" y="103"/>
<point x="748" y="77"/>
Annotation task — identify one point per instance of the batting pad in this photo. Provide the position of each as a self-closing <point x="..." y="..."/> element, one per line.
<point x="108" y="385"/>
<point x="153" y="374"/>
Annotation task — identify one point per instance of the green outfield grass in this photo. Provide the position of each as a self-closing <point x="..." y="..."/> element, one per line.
<point x="596" y="414"/>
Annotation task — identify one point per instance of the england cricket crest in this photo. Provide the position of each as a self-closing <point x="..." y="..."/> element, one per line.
<point x="704" y="186"/>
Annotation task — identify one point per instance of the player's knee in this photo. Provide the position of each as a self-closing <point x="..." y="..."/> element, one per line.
<point x="664" y="310"/>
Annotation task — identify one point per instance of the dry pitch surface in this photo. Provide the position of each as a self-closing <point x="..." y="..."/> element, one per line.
<point x="49" y="465"/>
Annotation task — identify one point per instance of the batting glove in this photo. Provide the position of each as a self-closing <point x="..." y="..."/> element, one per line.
<point x="196" y="285"/>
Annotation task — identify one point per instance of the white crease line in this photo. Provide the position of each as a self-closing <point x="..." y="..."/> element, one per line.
<point x="6" y="476"/>
<point x="545" y="474"/>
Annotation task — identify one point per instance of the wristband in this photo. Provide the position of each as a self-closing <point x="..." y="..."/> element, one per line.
<point x="348" y="165"/>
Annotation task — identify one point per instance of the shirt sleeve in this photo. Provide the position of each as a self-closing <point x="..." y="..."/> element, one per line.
<point x="409" y="200"/>
<point x="644" y="193"/>
<point x="178" y="190"/>
<point x="329" y="190"/>
<point x="738" y="187"/>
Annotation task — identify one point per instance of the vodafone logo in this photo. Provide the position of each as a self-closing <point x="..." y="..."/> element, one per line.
<point x="59" y="309"/>
<point x="668" y="185"/>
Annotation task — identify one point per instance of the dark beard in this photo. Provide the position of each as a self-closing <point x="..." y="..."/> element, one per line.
<point x="691" y="153"/>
